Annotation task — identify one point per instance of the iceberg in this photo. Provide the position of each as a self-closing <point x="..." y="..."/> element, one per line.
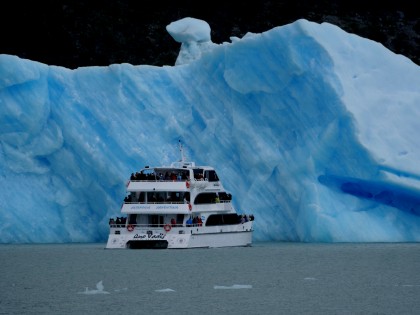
<point x="312" y="129"/>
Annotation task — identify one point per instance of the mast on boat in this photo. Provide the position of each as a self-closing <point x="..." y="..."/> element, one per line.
<point x="181" y="150"/>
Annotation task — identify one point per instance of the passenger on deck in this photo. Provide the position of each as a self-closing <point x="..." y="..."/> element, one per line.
<point x="217" y="199"/>
<point x="173" y="222"/>
<point x="187" y="197"/>
<point x="189" y="222"/>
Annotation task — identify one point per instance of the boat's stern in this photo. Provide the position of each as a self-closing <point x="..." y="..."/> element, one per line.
<point x="139" y="238"/>
<point x="116" y="241"/>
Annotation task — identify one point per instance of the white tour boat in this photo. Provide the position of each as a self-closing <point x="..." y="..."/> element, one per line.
<point x="178" y="206"/>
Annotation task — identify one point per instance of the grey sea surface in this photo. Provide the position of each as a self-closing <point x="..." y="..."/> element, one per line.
<point x="266" y="278"/>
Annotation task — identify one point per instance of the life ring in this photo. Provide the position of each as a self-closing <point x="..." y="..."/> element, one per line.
<point x="167" y="227"/>
<point x="190" y="206"/>
<point x="130" y="228"/>
<point x="187" y="183"/>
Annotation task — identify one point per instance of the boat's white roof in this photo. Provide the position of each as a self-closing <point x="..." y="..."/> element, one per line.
<point x="179" y="165"/>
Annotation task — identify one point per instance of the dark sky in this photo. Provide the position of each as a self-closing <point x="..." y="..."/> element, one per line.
<point x="85" y="33"/>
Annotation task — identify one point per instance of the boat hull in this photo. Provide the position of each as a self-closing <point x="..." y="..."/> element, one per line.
<point x="181" y="237"/>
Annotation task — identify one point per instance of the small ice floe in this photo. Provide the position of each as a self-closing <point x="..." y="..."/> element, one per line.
<point x="165" y="290"/>
<point x="99" y="289"/>
<point x="120" y="290"/>
<point x="235" y="286"/>
<point x="309" y="278"/>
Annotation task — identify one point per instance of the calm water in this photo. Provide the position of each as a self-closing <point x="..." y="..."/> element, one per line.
<point x="267" y="278"/>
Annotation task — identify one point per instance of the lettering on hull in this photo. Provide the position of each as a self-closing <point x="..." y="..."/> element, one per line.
<point x="149" y="236"/>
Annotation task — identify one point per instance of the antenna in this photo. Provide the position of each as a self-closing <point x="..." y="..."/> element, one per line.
<point x="181" y="149"/>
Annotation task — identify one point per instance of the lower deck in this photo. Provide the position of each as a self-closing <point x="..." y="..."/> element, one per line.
<point x="167" y="236"/>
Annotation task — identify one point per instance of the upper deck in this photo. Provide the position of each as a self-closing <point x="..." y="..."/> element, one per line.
<point x="180" y="176"/>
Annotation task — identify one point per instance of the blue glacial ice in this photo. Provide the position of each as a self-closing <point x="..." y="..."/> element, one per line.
<point x="312" y="129"/>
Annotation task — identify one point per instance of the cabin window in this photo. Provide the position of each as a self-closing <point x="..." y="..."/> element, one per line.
<point x="158" y="197"/>
<point x="223" y="219"/>
<point x="151" y="197"/>
<point x="205" y="198"/>
<point x="198" y="173"/>
<point x="179" y="218"/>
<point x="224" y="196"/>
<point x="211" y="176"/>
<point x="142" y="197"/>
<point x="132" y="219"/>
<point x="156" y="220"/>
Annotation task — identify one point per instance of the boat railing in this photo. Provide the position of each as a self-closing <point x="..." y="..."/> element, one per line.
<point x="192" y="181"/>
<point x="154" y="202"/>
<point x="174" y="202"/>
<point x="158" y="180"/>
<point x="116" y="225"/>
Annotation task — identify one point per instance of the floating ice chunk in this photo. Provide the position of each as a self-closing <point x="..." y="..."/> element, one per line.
<point x="235" y="286"/>
<point x="165" y="290"/>
<point x="120" y="290"/>
<point x="99" y="289"/>
<point x="100" y="286"/>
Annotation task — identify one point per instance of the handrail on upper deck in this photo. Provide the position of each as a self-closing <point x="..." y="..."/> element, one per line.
<point x="115" y="225"/>
<point x="174" y="202"/>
